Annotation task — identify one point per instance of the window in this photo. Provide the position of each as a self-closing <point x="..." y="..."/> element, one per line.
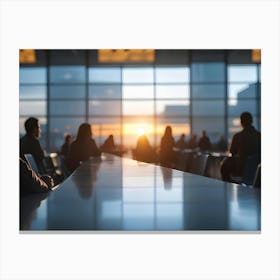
<point x="67" y="74"/>
<point x="138" y="75"/>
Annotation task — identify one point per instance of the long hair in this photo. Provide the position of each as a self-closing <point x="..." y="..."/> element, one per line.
<point x="168" y="132"/>
<point x="84" y="132"/>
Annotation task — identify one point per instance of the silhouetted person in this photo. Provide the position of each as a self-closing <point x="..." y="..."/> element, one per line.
<point x="204" y="143"/>
<point x="166" y="148"/>
<point x="65" y="148"/>
<point x="181" y="143"/>
<point x="30" y="182"/>
<point x="244" y="143"/>
<point x="109" y="145"/>
<point x="192" y="143"/>
<point x="29" y="143"/>
<point x="144" y="151"/>
<point x="222" y="144"/>
<point x="83" y="147"/>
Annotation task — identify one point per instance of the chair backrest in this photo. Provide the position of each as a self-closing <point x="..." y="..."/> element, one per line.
<point x="199" y="164"/>
<point x="213" y="167"/>
<point x="250" y="169"/>
<point x="32" y="163"/>
<point x="257" y="179"/>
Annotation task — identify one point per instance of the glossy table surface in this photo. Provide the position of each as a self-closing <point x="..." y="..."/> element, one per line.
<point x="120" y="194"/>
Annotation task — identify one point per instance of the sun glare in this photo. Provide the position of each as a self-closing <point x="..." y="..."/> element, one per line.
<point x="141" y="131"/>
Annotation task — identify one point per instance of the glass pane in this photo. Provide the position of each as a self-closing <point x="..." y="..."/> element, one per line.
<point x="105" y="75"/>
<point x="67" y="74"/>
<point x="172" y="74"/>
<point x="241" y="91"/>
<point x="208" y="108"/>
<point x="214" y="127"/>
<point x="238" y="106"/>
<point x="105" y="91"/>
<point x="32" y="108"/>
<point x="140" y="92"/>
<point x="172" y="108"/>
<point x="32" y="92"/>
<point x="138" y="108"/>
<point x="103" y="127"/>
<point x="242" y="73"/>
<point x="171" y="92"/>
<point x="208" y="72"/>
<point x="62" y="108"/>
<point x="66" y="92"/>
<point x="260" y="72"/>
<point x="103" y="108"/>
<point x="208" y="91"/>
<point x="60" y="126"/>
<point x="138" y="75"/>
<point x="36" y="75"/>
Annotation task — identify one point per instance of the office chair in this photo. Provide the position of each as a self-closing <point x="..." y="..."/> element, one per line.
<point x="32" y="163"/>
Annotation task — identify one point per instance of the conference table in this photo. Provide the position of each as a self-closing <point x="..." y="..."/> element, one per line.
<point x="117" y="194"/>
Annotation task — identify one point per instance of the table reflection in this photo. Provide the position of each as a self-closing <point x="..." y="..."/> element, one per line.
<point x="28" y="209"/>
<point x="123" y="194"/>
<point x="85" y="180"/>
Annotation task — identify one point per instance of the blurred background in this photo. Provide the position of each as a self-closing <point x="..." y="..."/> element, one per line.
<point x="128" y="93"/>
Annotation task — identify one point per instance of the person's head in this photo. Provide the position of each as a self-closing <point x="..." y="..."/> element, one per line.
<point x="246" y="119"/>
<point x="32" y="127"/>
<point x="168" y="131"/>
<point x="182" y="136"/>
<point x="203" y="133"/>
<point x="67" y="138"/>
<point x="84" y="132"/>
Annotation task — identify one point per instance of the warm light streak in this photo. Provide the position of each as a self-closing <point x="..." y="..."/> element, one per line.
<point x="256" y="55"/>
<point x="27" y="56"/>
<point x="122" y="55"/>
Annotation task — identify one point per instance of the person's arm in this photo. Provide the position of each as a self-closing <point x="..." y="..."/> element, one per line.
<point x="30" y="182"/>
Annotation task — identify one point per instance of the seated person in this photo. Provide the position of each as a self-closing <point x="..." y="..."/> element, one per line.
<point x="30" y="182"/>
<point x="109" y="145"/>
<point x="66" y="145"/>
<point x="181" y="143"/>
<point x="192" y="143"/>
<point x="167" y="156"/>
<point x="83" y="147"/>
<point x="204" y="143"/>
<point x="144" y="151"/>
<point x="245" y="143"/>
<point x="29" y="143"/>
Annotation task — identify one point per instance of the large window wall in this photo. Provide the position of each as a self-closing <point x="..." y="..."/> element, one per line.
<point x="209" y="92"/>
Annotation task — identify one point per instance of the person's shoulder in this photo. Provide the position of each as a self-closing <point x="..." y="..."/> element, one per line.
<point x="23" y="138"/>
<point x="238" y="134"/>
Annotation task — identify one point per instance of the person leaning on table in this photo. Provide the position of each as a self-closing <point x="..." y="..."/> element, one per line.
<point x="30" y="182"/>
